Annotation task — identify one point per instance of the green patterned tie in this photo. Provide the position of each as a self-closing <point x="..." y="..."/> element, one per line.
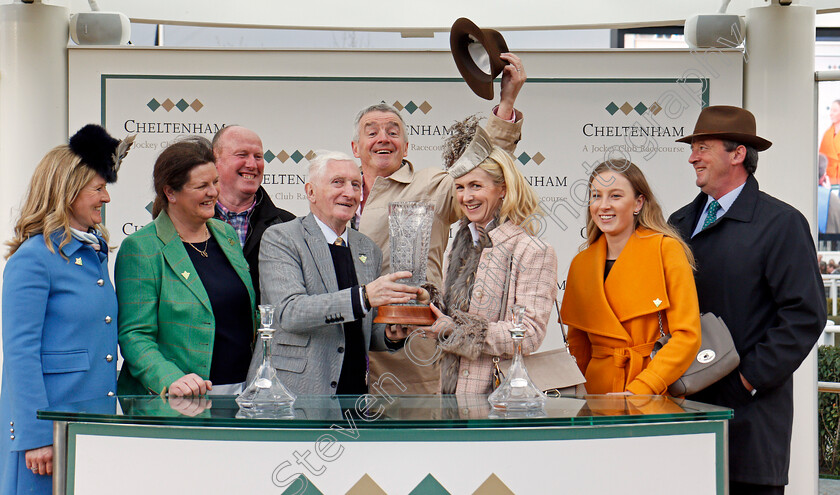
<point x="711" y="216"/>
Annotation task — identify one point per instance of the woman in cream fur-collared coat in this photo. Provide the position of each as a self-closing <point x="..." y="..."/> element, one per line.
<point x="495" y="262"/>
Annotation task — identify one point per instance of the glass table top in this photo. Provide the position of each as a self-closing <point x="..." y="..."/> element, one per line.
<point x="372" y="411"/>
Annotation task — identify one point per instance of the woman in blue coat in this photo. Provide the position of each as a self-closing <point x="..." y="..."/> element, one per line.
<point x="59" y="307"/>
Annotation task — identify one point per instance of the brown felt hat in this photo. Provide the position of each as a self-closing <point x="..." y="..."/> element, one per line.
<point x="466" y="41"/>
<point x="726" y="122"/>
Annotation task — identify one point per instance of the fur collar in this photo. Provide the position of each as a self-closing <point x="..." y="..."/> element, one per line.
<point x="460" y="278"/>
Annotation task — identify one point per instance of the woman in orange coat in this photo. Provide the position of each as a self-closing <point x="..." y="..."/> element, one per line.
<point x="830" y="144"/>
<point x="633" y="278"/>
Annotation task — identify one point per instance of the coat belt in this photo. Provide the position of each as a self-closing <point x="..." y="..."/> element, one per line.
<point x="630" y="359"/>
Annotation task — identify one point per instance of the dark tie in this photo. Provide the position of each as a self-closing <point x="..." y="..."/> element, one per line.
<point x="339" y="241"/>
<point x="711" y="216"/>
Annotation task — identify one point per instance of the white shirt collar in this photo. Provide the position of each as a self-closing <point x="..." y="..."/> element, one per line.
<point x="725" y="201"/>
<point x="474" y="231"/>
<point x="329" y="233"/>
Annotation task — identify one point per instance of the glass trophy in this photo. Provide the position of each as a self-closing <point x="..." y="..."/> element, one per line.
<point x="266" y="392"/>
<point x="410" y="233"/>
<point x="517" y="392"/>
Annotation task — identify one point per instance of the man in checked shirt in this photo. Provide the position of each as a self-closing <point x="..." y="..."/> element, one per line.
<point x="243" y="203"/>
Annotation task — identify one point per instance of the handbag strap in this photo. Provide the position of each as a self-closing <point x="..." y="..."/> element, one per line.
<point x="661" y="332"/>
<point x="560" y="318"/>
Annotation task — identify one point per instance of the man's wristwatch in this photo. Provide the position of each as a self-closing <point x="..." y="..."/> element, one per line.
<point x="365" y="298"/>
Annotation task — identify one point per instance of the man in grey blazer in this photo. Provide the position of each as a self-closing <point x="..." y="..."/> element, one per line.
<point x="322" y="276"/>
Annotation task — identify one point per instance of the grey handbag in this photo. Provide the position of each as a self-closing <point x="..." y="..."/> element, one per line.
<point x="555" y="372"/>
<point x="716" y="358"/>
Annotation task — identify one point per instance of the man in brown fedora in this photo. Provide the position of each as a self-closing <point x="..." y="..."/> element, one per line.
<point x="757" y="269"/>
<point x="380" y="142"/>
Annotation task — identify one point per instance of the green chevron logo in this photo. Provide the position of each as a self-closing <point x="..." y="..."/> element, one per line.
<point x="412" y="107"/>
<point x="283" y="156"/>
<point x="428" y="486"/>
<point x="626" y="108"/>
<point x="168" y="105"/>
<point x="537" y="158"/>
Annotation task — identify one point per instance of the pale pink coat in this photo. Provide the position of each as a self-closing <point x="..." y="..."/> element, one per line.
<point x="528" y="266"/>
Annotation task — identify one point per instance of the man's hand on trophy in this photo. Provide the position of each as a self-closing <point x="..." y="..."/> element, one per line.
<point x="385" y="290"/>
<point x="397" y="332"/>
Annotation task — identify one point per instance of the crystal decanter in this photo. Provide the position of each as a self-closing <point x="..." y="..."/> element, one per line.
<point x="266" y="392"/>
<point x="517" y="392"/>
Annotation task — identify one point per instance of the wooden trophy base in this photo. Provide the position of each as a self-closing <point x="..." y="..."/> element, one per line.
<point x="405" y="315"/>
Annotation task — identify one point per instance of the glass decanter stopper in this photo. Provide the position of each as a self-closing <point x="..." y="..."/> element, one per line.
<point x="266" y="391"/>
<point x="517" y="392"/>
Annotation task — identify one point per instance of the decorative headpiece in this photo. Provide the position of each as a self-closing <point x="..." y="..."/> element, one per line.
<point x="460" y="135"/>
<point x="99" y="151"/>
<point x="477" y="151"/>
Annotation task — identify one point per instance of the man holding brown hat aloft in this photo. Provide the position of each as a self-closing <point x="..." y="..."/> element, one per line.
<point x="381" y="145"/>
<point x="757" y="269"/>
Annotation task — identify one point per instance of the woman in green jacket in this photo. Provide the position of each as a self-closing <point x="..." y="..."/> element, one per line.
<point x="186" y="321"/>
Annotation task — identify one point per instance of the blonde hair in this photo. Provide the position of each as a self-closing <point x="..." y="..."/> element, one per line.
<point x="520" y="203"/>
<point x="650" y="215"/>
<point x="55" y="184"/>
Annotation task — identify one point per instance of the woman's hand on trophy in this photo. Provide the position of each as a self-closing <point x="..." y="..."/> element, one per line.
<point x="423" y="297"/>
<point x="441" y="328"/>
<point x="385" y="290"/>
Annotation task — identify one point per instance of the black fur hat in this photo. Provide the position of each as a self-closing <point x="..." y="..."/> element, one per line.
<point x="99" y="151"/>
